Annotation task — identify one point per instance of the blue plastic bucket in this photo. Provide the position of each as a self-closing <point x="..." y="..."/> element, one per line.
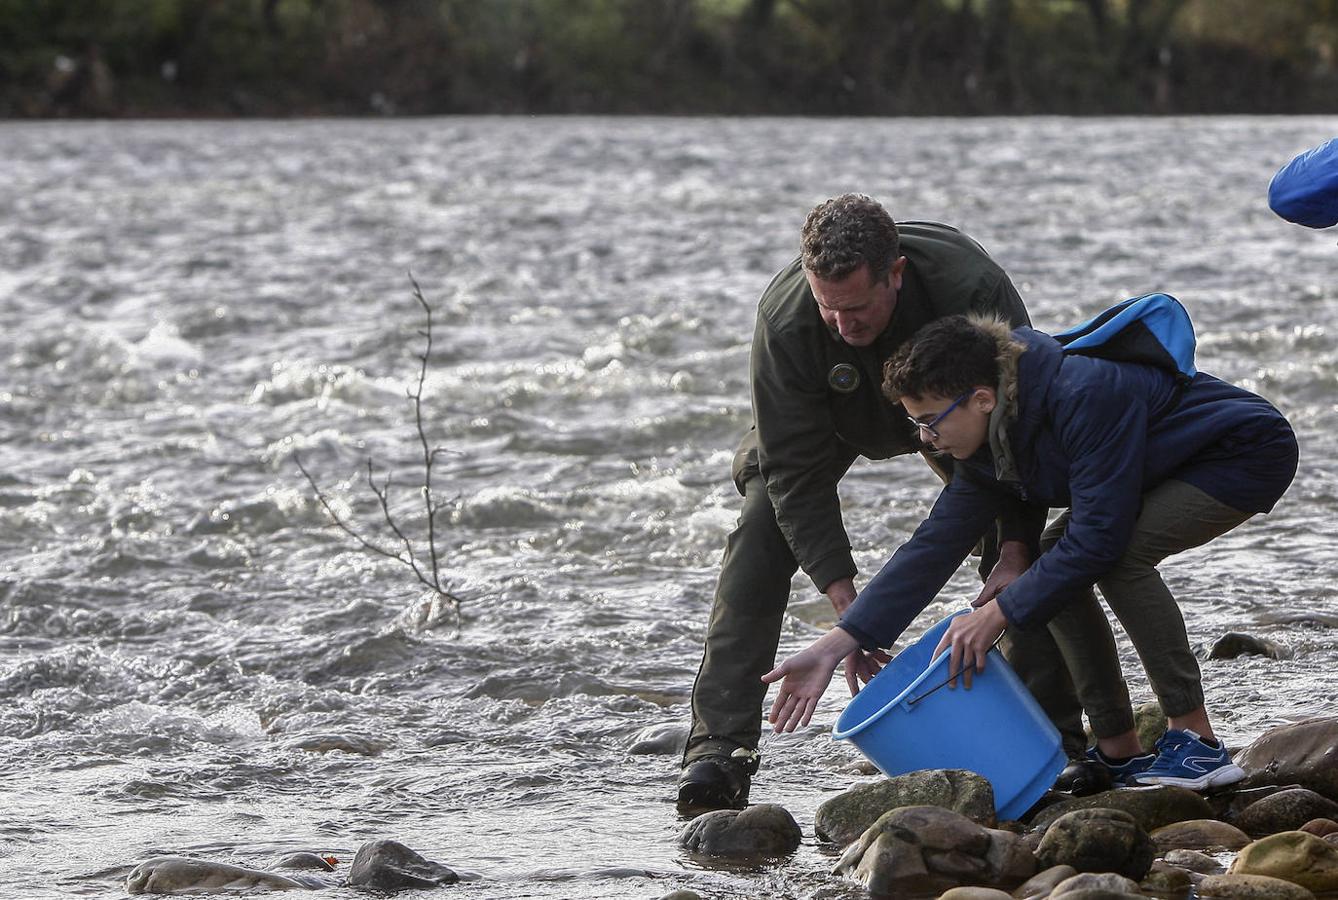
<point x="995" y="729"/>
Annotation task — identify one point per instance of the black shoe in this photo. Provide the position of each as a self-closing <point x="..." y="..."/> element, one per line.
<point x="714" y="782"/>
<point x="1082" y="777"/>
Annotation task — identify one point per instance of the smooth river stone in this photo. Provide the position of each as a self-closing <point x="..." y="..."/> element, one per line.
<point x="1194" y="861"/>
<point x="1094" y="885"/>
<point x="1320" y="827"/>
<point x="1233" y="644"/>
<point x="1165" y="878"/>
<point x="1043" y="882"/>
<point x="391" y="866"/>
<point x="1293" y="856"/>
<point x="1098" y="840"/>
<point x="180" y="874"/>
<point x="1250" y="887"/>
<point x="975" y="893"/>
<point x="1151" y="807"/>
<point x="922" y="849"/>
<point x="1285" y="811"/>
<point x="1304" y="754"/>
<point x="845" y="817"/>
<point x="659" y="740"/>
<point x="1199" y="834"/>
<point x="763" y="830"/>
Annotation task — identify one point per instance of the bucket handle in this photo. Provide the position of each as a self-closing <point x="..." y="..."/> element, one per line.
<point x="911" y="701"/>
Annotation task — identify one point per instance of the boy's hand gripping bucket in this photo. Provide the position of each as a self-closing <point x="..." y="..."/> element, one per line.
<point x="996" y="729"/>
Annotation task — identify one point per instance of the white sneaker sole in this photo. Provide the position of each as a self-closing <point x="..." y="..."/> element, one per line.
<point x="1228" y="774"/>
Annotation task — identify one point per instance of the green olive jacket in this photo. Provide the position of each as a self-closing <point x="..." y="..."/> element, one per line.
<point x="818" y="402"/>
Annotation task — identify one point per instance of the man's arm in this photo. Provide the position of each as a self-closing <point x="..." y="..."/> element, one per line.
<point x="800" y="456"/>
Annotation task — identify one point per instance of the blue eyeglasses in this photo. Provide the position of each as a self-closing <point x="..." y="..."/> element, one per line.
<point x="929" y="426"/>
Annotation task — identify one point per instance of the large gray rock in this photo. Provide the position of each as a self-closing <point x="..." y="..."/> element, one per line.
<point x="1098" y="840"/>
<point x="975" y="893"/>
<point x="1285" y="811"/>
<point x="1293" y="856"/>
<point x="181" y="875"/>
<point x="1250" y="887"/>
<point x="846" y="816"/>
<point x="762" y="830"/>
<point x="923" y="849"/>
<point x="1199" y="834"/>
<point x="1304" y="754"/>
<point x="1151" y="807"/>
<point x="391" y="866"/>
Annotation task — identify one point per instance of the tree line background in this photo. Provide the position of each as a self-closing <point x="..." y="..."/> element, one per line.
<point x="839" y="57"/>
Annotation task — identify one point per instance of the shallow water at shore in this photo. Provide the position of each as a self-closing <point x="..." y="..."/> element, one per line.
<point x="190" y="304"/>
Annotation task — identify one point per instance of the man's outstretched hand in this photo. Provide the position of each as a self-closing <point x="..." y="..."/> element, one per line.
<point x="804" y="678"/>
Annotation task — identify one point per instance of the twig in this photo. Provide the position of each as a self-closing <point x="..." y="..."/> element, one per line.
<point x="408" y="556"/>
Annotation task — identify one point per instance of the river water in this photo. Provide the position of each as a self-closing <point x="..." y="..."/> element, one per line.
<point x="184" y="643"/>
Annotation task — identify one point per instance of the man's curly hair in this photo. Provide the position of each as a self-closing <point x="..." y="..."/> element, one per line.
<point x="945" y="358"/>
<point x="847" y="232"/>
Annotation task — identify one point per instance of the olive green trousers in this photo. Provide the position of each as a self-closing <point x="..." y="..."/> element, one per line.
<point x="1072" y="665"/>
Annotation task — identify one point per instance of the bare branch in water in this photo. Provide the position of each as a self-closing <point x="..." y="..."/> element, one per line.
<point x="408" y="556"/>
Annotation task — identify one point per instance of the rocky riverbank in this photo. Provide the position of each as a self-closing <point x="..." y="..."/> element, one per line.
<point x="934" y="833"/>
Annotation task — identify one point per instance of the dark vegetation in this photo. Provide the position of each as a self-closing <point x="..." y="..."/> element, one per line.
<point x="841" y="57"/>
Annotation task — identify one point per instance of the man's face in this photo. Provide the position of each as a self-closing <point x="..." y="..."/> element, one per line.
<point x="856" y="307"/>
<point x="964" y="429"/>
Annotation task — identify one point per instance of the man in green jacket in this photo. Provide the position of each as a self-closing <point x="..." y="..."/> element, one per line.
<point x="825" y="326"/>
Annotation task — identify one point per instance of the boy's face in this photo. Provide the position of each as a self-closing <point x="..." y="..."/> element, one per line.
<point x="964" y="429"/>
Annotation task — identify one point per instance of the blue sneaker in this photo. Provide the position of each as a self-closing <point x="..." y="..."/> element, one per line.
<point x="1122" y="773"/>
<point x="1184" y="760"/>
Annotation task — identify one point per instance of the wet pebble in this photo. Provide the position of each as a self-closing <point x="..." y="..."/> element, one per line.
<point x="1285" y="811"/>
<point x="1193" y="861"/>
<point x="1320" y="827"/>
<point x="1165" y="878"/>
<point x="1250" y="887"/>
<point x="1293" y="856"/>
<point x="179" y="875"/>
<point x="1199" y="834"/>
<point x="659" y="740"/>
<point x="1043" y="882"/>
<point x="1234" y="644"/>
<point x="1096" y="886"/>
<point x="391" y="866"/>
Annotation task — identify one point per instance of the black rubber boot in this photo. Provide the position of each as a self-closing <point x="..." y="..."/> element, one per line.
<point x="714" y="782"/>
<point x="1082" y="777"/>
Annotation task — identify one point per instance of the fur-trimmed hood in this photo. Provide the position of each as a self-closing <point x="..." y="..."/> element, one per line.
<point x="1008" y="350"/>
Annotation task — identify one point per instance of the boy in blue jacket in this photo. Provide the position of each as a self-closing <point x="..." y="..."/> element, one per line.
<point x="1146" y="464"/>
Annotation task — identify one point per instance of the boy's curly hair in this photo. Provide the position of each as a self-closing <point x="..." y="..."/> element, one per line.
<point x="945" y="358"/>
